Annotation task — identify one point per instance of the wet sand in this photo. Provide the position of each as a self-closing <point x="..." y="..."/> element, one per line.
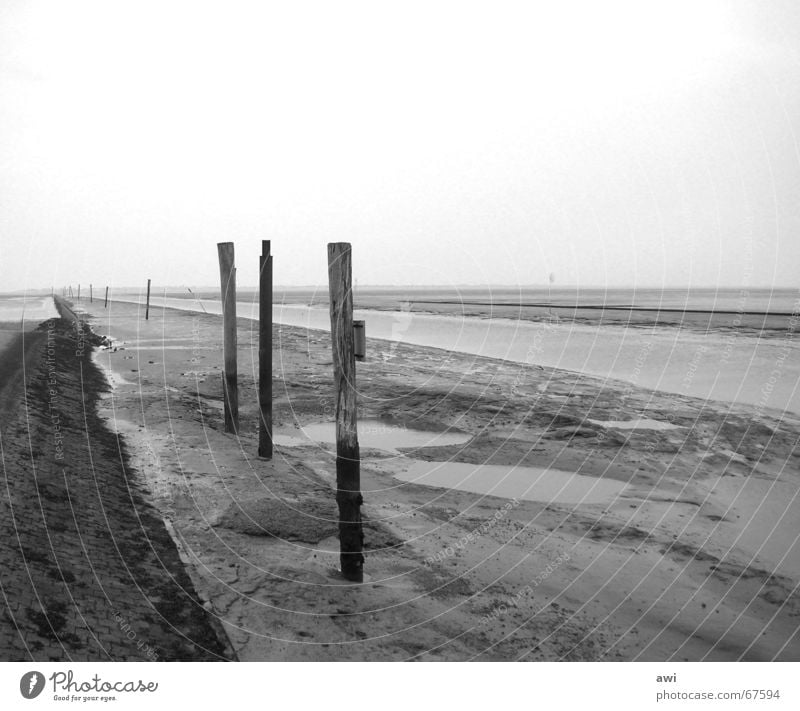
<point x="696" y="557"/>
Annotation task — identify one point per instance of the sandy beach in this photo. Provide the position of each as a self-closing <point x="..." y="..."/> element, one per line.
<point x="677" y="539"/>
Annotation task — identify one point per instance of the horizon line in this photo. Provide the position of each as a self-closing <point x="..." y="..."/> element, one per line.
<point x="546" y="287"/>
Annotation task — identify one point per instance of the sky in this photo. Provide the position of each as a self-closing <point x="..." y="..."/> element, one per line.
<point x="606" y="143"/>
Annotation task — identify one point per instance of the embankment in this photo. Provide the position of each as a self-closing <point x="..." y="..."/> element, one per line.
<point x="88" y="570"/>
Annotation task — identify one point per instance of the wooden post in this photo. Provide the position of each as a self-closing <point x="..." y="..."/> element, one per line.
<point x="105" y="305"/>
<point x="227" y="275"/>
<point x="91" y="294"/>
<point x="79" y="292"/>
<point x="348" y="460"/>
<point x="265" y="351"/>
<point x="147" y="306"/>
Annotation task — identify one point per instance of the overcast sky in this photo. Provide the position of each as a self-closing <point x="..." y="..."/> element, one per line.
<point x="619" y="143"/>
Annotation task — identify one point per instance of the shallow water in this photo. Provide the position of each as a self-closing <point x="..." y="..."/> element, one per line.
<point x="732" y="367"/>
<point x="372" y="434"/>
<point x="27" y="308"/>
<point x="528" y="483"/>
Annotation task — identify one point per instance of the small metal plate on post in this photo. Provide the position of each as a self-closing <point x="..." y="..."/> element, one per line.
<point x="359" y="340"/>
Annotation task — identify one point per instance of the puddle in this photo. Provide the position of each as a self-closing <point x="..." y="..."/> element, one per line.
<point x="640" y="424"/>
<point x="527" y="483"/>
<point x="284" y="440"/>
<point x="372" y="434"/>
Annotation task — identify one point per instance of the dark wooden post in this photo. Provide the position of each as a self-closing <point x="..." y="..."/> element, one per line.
<point x="227" y="275"/>
<point x="91" y="295"/>
<point x="265" y="351"/>
<point x="79" y="292"/>
<point x="105" y="305"/>
<point x="147" y="306"/>
<point x="348" y="460"/>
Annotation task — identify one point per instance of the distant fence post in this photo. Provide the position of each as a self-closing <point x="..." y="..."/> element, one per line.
<point x="227" y="275"/>
<point x="147" y="305"/>
<point x="91" y="294"/>
<point x="348" y="460"/>
<point x="79" y="292"/>
<point x="265" y="351"/>
<point x="105" y="305"/>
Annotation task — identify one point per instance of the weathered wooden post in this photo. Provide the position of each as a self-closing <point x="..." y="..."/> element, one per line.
<point x="105" y="305"/>
<point x="91" y="295"/>
<point x="79" y="292"/>
<point x="227" y="275"/>
<point x="348" y="460"/>
<point x="147" y="303"/>
<point x="265" y="351"/>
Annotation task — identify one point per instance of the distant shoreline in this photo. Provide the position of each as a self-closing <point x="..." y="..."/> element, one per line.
<point x="601" y="307"/>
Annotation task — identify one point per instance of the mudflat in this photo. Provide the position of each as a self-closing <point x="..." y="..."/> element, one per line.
<point x="689" y="552"/>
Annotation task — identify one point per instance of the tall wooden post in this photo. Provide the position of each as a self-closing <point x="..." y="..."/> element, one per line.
<point x="79" y="292"/>
<point x="105" y="305"/>
<point x="147" y="305"/>
<point x="227" y="275"/>
<point x="348" y="460"/>
<point x="91" y="294"/>
<point x="265" y="351"/>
